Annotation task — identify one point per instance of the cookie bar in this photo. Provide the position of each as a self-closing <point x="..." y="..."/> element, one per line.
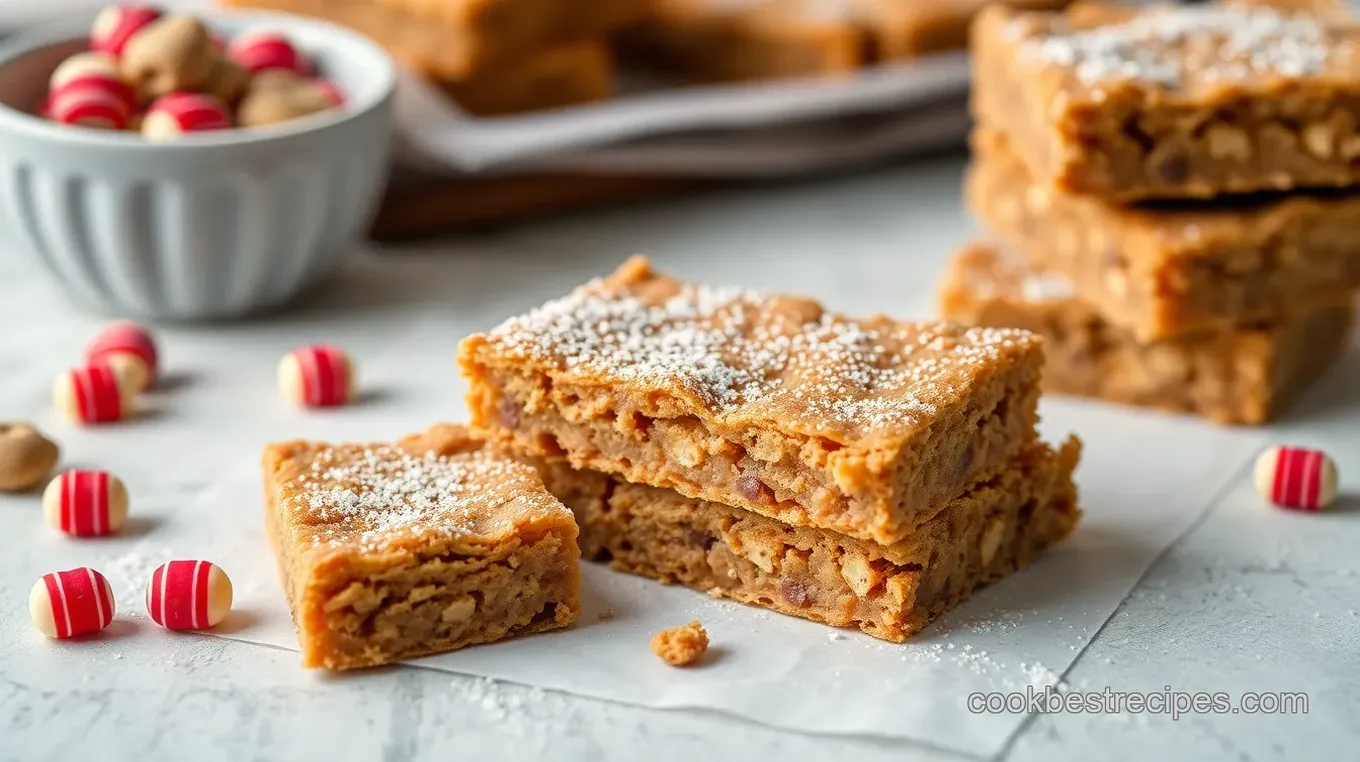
<point x="889" y="591"/>
<point x="1238" y="376"/>
<point x="1173" y="101"/>
<point x="453" y="40"/>
<point x="1173" y="269"/>
<point x="763" y="39"/>
<point x="866" y="427"/>
<point x="569" y="74"/>
<point x="393" y="551"/>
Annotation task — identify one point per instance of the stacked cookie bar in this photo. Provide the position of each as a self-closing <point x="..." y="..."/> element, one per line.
<point x="491" y="56"/>
<point x="1170" y="193"/>
<point x="867" y="473"/>
<point x="763" y="39"/>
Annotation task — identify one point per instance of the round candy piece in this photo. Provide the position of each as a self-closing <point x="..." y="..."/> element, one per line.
<point x="90" y="107"/>
<point x="177" y="113"/>
<point x="130" y="349"/>
<point x="93" y="394"/>
<point x="97" y="71"/>
<point x="320" y="375"/>
<point x="86" y="503"/>
<point x="1296" y="477"/>
<point x="26" y="456"/>
<point x="70" y="603"/>
<point x="116" y="24"/>
<point x="188" y="595"/>
<point x="263" y="50"/>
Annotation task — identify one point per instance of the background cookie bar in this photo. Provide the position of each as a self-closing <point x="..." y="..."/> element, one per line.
<point x="1172" y="102"/>
<point x="568" y="74"/>
<point x="1167" y="270"/>
<point x="392" y="551"/>
<point x="866" y="427"/>
<point x="995" y="527"/>
<point x="1240" y="375"/>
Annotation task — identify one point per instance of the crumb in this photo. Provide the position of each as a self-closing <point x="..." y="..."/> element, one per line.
<point x="681" y="646"/>
<point x="607" y="613"/>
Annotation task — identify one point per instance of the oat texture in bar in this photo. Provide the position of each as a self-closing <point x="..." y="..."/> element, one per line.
<point x="867" y="427"/>
<point x="1244" y="375"/>
<point x="1173" y="101"/>
<point x="393" y="551"/>
<point x="993" y="528"/>
<point x="1161" y="271"/>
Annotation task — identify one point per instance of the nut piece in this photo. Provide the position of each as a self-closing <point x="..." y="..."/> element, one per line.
<point x="991" y="541"/>
<point x="681" y="646"/>
<point x="170" y="54"/>
<point x="26" y="456"/>
<point x="1320" y="140"/>
<point x="277" y="100"/>
<point x="1229" y="143"/>
<point x="1296" y="478"/>
<point x="226" y="81"/>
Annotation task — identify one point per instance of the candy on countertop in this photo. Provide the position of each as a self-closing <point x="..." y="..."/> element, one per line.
<point x="188" y="595"/>
<point x="70" y="603"/>
<point x="119" y="342"/>
<point x="93" y="394"/>
<point x="320" y="375"/>
<point x="1296" y="477"/>
<point x="86" y="503"/>
<point x="26" y="456"/>
<point x="175" y="114"/>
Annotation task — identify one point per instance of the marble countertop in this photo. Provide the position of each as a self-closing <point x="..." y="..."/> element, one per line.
<point x="1244" y="601"/>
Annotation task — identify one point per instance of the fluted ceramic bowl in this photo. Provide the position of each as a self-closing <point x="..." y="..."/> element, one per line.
<point x="216" y="225"/>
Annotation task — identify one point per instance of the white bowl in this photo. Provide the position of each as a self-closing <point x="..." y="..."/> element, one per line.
<point x="217" y="225"/>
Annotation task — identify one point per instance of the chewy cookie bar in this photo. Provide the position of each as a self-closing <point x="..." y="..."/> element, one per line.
<point x="991" y="529"/>
<point x="569" y="74"/>
<point x="1168" y="270"/>
<point x="1241" y="376"/>
<point x="866" y="427"/>
<point x="1173" y="101"/>
<point x="760" y="39"/>
<point x="393" y="551"/>
<point x="452" y="40"/>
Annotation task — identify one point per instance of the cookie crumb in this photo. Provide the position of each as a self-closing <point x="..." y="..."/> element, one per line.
<point x="607" y="613"/>
<point x="681" y="646"/>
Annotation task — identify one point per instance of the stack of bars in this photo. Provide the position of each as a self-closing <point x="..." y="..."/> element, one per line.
<point x="492" y="57"/>
<point x="1171" y="196"/>
<point x="865" y="473"/>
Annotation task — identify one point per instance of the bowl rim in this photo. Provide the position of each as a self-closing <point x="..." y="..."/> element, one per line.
<point x="74" y="27"/>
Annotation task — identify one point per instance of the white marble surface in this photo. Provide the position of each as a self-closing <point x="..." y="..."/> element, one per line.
<point x="1250" y="599"/>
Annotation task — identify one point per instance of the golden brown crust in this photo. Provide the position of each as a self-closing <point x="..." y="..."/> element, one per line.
<point x="763" y="401"/>
<point x="889" y="592"/>
<point x="570" y="74"/>
<point x="390" y="551"/>
<point x="1173" y="102"/>
<point x="1240" y="376"/>
<point x="1164" y="271"/>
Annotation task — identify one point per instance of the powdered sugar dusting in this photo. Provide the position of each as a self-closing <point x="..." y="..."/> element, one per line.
<point x="740" y="353"/>
<point x="372" y="495"/>
<point x="1169" y="45"/>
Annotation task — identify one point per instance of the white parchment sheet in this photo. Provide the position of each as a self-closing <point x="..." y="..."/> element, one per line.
<point x="1144" y="479"/>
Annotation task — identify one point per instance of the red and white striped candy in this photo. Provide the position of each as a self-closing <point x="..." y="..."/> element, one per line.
<point x="188" y="595"/>
<point x="93" y="394"/>
<point x="116" y="24"/>
<point x="263" y="50"/>
<point x="70" y="603"/>
<point x="97" y="108"/>
<point x="174" y="114"/>
<point x="86" y="503"/>
<point x="129" y="348"/>
<point x="1296" y="477"/>
<point x="317" y="376"/>
<point x="98" y="71"/>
